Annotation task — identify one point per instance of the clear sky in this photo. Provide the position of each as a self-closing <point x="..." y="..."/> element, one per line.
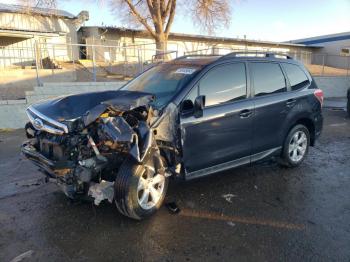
<point x="257" y="19"/>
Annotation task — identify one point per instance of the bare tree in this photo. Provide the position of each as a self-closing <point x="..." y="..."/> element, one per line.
<point x="157" y="16"/>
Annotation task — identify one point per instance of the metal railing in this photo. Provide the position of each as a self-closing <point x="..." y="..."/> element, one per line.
<point x="40" y="62"/>
<point x="82" y="62"/>
<point x="329" y="65"/>
<point x="319" y="64"/>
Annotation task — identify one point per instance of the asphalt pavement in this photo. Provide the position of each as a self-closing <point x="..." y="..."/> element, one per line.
<point x="256" y="213"/>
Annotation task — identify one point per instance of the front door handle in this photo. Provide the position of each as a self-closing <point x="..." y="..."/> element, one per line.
<point x="245" y="113"/>
<point x="291" y="102"/>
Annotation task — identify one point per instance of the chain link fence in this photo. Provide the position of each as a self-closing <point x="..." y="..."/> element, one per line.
<point x="26" y="66"/>
<point x="329" y="65"/>
<point x="304" y="57"/>
<point x="319" y="64"/>
<point x="84" y="62"/>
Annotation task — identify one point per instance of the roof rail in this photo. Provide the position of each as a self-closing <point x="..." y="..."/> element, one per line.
<point x="195" y="56"/>
<point x="237" y="54"/>
<point x="256" y="53"/>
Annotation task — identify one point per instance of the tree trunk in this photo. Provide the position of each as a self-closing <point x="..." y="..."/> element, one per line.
<point x="161" y="46"/>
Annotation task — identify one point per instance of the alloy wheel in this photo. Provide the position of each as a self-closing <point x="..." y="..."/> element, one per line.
<point x="297" y="146"/>
<point x="150" y="188"/>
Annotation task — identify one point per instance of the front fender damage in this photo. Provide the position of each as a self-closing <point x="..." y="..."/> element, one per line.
<point x="141" y="144"/>
<point x="99" y="142"/>
<point x="119" y="131"/>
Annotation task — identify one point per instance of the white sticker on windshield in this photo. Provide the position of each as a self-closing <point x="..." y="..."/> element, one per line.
<point x="185" y="71"/>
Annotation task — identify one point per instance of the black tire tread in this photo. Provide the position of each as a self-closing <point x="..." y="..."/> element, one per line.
<point x="125" y="173"/>
<point x="127" y="178"/>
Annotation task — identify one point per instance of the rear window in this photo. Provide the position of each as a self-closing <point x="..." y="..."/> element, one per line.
<point x="268" y="78"/>
<point x="296" y="76"/>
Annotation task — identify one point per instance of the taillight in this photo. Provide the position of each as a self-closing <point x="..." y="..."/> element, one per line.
<point x="319" y="95"/>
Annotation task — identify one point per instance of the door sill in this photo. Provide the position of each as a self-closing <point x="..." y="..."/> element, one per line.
<point x="231" y="164"/>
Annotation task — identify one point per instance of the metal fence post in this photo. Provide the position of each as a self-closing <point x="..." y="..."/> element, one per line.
<point x="125" y="60"/>
<point x="93" y="63"/>
<point x="139" y="58"/>
<point x="20" y="57"/>
<point x="36" y="63"/>
<point x="53" y="52"/>
<point x="53" y="59"/>
<point x="110" y="59"/>
<point x="323" y="58"/>
<point x="72" y="55"/>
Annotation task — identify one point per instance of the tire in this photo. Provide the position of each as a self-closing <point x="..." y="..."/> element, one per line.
<point x="295" y="149"/>
<point x="128" y="196"/>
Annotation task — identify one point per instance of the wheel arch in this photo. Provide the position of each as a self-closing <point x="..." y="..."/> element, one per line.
<point x="309" y="124"/>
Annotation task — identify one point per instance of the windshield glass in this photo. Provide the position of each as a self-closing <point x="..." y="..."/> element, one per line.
<point x="163" y="81"/>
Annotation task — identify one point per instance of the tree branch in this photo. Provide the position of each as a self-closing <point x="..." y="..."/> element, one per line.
<point x="140" y="18"/>
<point x="152" y="11"/>
<point x="166" y="11"/>
<point x="171" y="18"/>
<point x="150" y="4"/>
<point x="156" y="8"/>
<point x="162" y="6"/>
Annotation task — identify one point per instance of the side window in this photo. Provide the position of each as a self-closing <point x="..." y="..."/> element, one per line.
<point x="192" y="94"/>
<point x="268" y="78"/>
<point x="296" y="76"/>
<point x="224" y="83"/>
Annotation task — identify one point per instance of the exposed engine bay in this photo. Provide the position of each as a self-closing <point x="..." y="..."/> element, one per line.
<point x="80" y="141"/>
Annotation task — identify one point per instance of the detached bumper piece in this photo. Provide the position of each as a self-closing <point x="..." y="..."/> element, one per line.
<point x="53" y="168"/>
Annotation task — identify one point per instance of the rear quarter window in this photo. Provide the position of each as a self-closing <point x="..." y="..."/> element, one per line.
<point x="297" y="77"/>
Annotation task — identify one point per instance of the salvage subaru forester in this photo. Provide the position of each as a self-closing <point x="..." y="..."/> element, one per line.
<point x="190" y="117"/>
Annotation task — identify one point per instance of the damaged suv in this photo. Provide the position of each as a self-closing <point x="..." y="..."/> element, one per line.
<point x="188" y="118"/>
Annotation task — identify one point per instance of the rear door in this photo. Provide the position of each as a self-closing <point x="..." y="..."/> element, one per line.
<point x="224" y="133"/>
<point x="271" y="106"/>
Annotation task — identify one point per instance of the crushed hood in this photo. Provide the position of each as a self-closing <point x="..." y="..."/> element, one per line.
<point x="90" y="105"/>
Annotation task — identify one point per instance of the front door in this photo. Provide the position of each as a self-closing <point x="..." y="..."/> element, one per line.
<point x="222" y="137"/>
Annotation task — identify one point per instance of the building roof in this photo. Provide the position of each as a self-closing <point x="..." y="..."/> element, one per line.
<point x="319" y="40"/>
<point x="5" y="8"/>
<point x="204" y="37"/>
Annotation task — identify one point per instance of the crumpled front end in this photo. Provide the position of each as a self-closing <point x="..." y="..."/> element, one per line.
<point x="83" y="154"/>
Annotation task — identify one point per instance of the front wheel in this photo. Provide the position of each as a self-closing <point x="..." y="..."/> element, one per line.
<point x="139" y="189"/>
<point x="296" y="146"/>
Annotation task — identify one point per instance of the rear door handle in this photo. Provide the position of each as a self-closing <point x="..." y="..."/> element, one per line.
<point x="291" y="102"/>
<point x="245" y="113"/>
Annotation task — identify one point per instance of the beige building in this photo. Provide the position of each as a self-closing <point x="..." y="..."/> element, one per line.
<point x="119" y="44"/>
<point x="23" y="31"/>
<point x="54" y="38"/>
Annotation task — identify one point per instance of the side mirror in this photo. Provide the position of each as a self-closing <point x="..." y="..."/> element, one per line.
<point x="199" y="104"/>
<point x="187" y="108"/>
